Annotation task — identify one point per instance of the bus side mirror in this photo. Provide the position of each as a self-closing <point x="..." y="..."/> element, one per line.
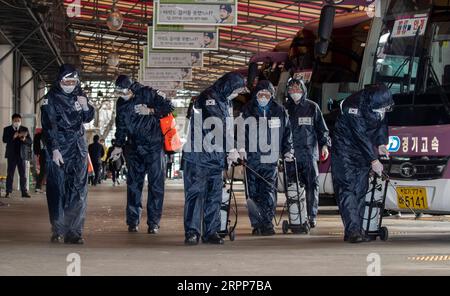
<point x="325" y="29"/>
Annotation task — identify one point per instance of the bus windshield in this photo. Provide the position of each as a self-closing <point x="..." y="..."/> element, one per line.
<point x="401" y="43"/>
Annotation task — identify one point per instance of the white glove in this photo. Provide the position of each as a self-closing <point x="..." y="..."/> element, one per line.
<point x="57" y="157"/>
<point x="289" y="157"/>
<point x="116" y="153"/>
<point x="83" y="102"/>
<point x="143" y="110"/>
<point x="325" y="153"/>
<point x="233" y="156"/>
<point x="383" y="151"/>
<point x="162" y="94"/>
<point x="377" y="167"/>
<point x="242" y="154"/>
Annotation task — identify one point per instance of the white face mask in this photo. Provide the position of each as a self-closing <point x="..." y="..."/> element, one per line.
<point x="263" y="102"/>
<point x="296" y="97"/>
<point x="68" y="89"/>
<point x="381" y="114"/>
<point x="16" y="125"/>
<point x="263" y="98"/>
<point x="127" y="97"/>
<point x="125" y="94"/>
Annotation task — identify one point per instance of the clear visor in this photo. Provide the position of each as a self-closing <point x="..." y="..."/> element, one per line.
<point x="122" y="91"/>
<point x="384" y="109"/>
<point x="295" y="88"/>
<point x="70" y="81"/>
<point x="264" y="94"/>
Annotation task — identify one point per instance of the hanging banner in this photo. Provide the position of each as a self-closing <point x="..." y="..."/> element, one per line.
<point x="167" y="74"/>
<point x="193" y="12"/>
<point x="186" y="38"/>
<point x="164" y="85"/>
<point x="173" y="59"/>
<point x="182" y="36"/>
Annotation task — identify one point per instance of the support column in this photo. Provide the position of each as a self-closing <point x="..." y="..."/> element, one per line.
<point x="27" y="99"/>
<point x="6" y="99"/>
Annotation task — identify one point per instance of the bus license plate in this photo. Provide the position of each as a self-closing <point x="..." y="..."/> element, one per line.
<point x="412" y="198"/>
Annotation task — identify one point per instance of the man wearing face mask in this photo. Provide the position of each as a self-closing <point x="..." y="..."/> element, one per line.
<point x="309" y="132"/>
<point x="203" y="165"/>
<point x="18" y="150"/>
<point x="138" y="113"/>
<point x="274" y="130"/>
<point x="64" y="110"/>
<point x="360" y="137"/>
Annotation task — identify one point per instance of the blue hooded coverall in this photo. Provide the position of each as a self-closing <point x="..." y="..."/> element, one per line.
<point x="62" y="125"/>
<point x="142" y="141"/>
<point x="357" y="134"/>
<point x="203" y="166"/>
<point x="263" y="194"/>
<point x="309" y="132"/>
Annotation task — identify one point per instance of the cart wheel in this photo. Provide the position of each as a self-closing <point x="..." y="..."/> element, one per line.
<point x="384" y="234"/>
<point x="232" y="235"/>
<point x="285" y="227"/>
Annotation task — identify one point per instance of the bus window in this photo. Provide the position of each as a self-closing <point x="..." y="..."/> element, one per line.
<point x="440" y="53"/>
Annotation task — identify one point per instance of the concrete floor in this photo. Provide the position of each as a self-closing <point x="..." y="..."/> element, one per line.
<point x="415" y="247"/>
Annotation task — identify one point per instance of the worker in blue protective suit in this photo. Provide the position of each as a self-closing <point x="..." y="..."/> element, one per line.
<point x="264" y="144"/>
<point x="138" y="134"/>
<point x="309" y="133"/>
<point x="360" y="137"/>
<point x="64" y="110"/>
<point x="205" y="158"/>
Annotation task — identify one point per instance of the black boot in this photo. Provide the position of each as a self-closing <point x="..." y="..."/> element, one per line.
<point x="26" y="195"/>
<point x="355" y="238"/>
<point x="153" y="229"/>
<point x="57" y="239"/>
<point x="268" y="231"/>
<point x="74" y="240"/>
<point x="133" y="229"/>
<point x="312" y="222"/>
<point x="214" y="239"/>
<point x="256" y="231"/>
<point x="191" y="239"/>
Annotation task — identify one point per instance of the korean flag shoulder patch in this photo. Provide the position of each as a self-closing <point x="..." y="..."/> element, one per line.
<point x="44" y="102"/>
<point x="353" y="111"/>
<point x="210" y="102"/>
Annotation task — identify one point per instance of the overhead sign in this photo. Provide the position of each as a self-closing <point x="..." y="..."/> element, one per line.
<point x="182" y="36"/>
<point x="186" y="38"/>
<point x="173" y="59"/>
<point x="192" y="12"/>
<point x="409" y="26"/>
<point x="164" y="85"/>
<point x="167" y="74"/>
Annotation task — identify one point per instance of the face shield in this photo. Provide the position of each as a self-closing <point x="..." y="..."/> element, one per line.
<point x="69" y="82"/>
<point x="124" y="93"/>
<point x="381" y="112"/>
<point x="263" y="97"/>
<point x="295" y="91"/>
